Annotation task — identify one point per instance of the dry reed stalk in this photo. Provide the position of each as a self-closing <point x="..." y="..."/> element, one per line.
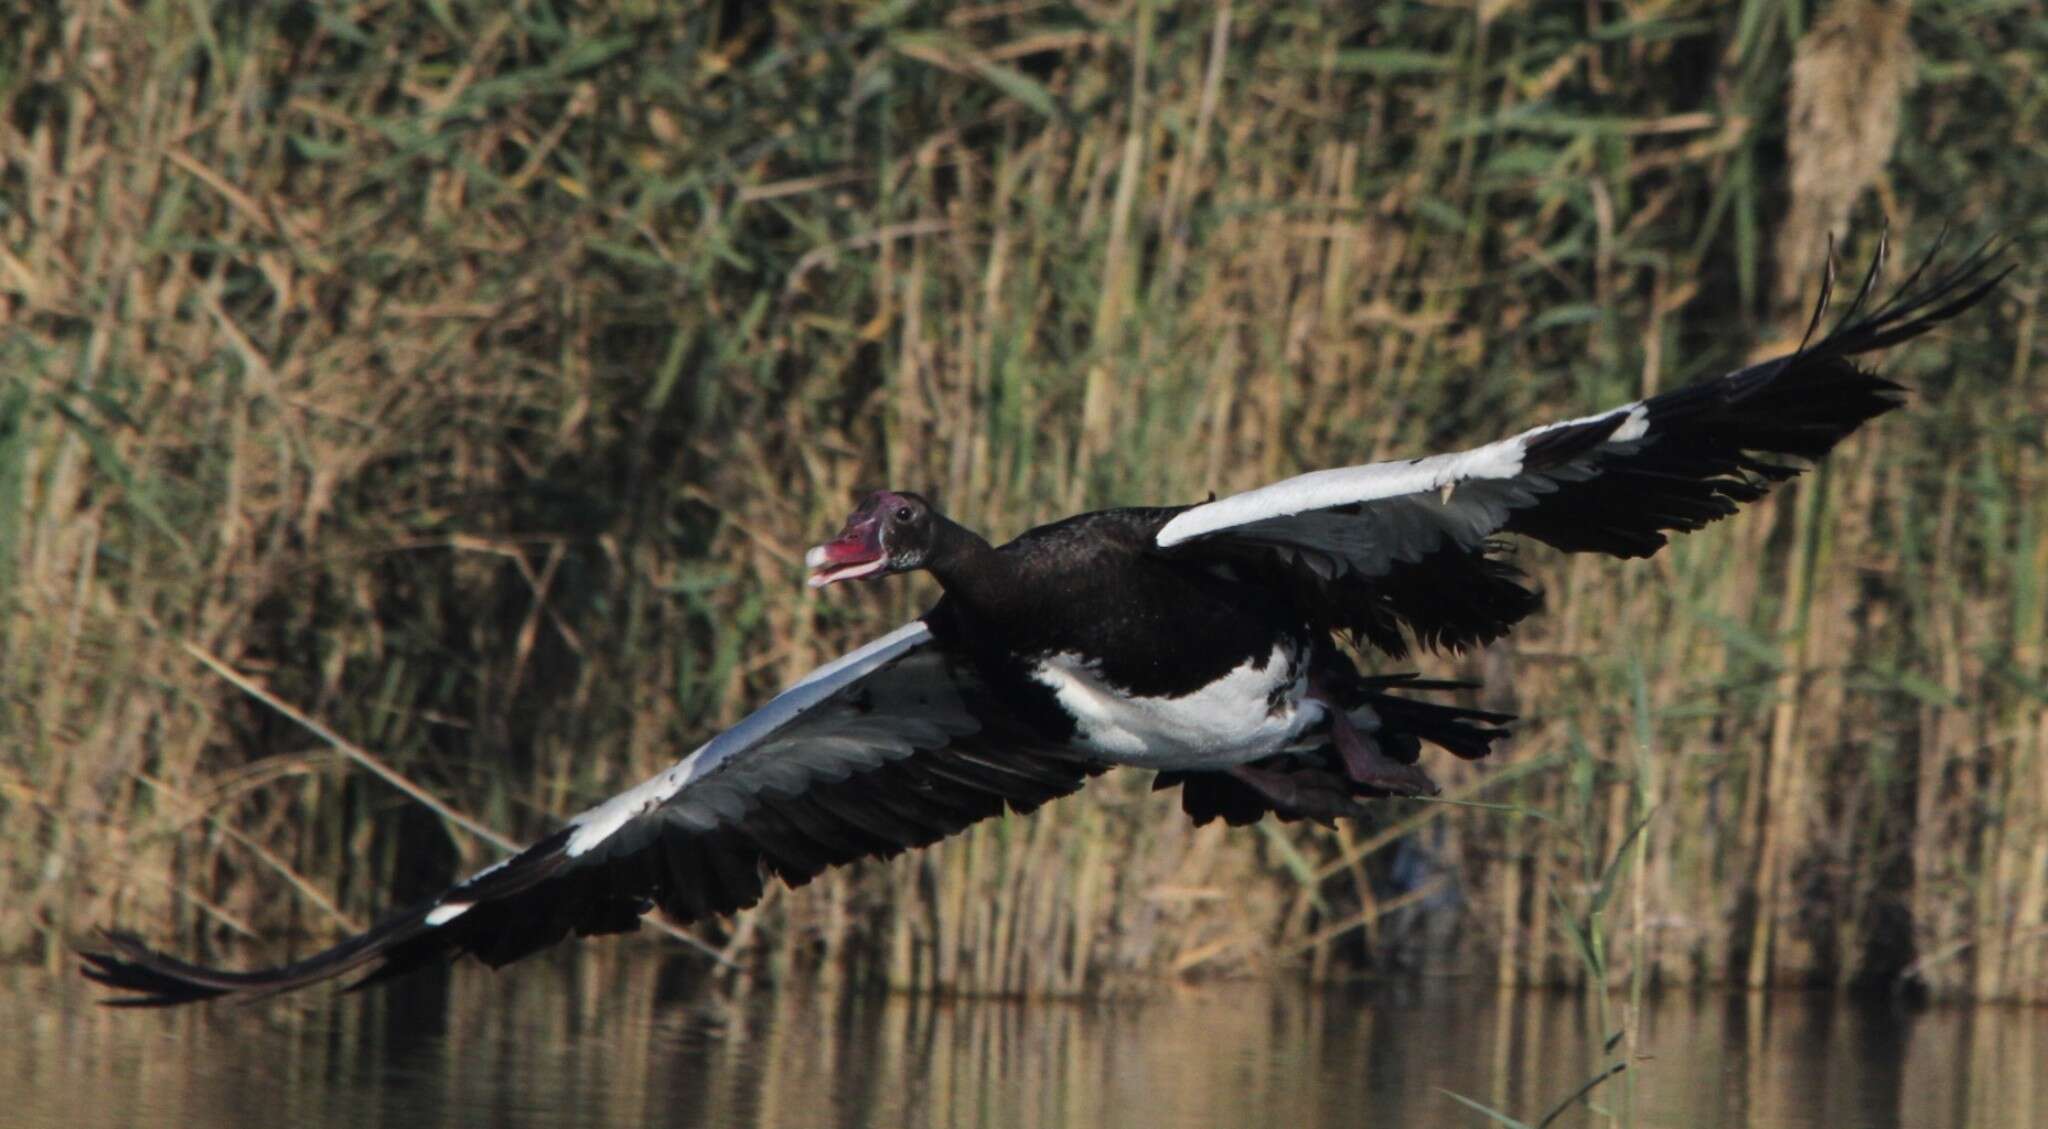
<point x="1850" y="75"/>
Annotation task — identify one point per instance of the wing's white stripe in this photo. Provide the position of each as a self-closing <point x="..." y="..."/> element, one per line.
<point x="1634" y="427"/>
<point x="1373" y="482"/>
<point x="604" y="820"/>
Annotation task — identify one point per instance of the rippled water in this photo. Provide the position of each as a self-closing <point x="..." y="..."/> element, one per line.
<point x="611" y="1042"/>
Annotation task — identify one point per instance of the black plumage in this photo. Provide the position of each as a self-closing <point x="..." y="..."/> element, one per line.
<point x="1198" y="640"/>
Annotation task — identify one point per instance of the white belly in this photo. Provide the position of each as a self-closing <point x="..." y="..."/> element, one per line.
<point x="1251" y="712"/>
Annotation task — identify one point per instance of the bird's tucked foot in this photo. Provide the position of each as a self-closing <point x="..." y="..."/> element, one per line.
<point x="1369" y="765"/>
<point x="1306" y="795"/>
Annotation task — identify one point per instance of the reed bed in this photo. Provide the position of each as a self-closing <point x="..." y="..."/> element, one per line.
<point x="471" y="377"/>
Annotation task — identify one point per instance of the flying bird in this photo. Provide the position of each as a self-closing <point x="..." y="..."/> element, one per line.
<point x="1200" y="641"/>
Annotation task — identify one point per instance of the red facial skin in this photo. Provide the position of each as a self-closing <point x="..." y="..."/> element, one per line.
<point x="858" y="550"/>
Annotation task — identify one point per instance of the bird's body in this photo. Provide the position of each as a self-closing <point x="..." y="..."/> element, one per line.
<point x="1203" y="641"/>
<point x="1250" y="711"/>
<point x="1128" y="656"/>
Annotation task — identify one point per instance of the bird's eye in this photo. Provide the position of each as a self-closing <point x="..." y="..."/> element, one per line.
<point x="903" y="513"/>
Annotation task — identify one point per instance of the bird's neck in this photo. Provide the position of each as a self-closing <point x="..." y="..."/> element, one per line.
<point x="966" y="566"/>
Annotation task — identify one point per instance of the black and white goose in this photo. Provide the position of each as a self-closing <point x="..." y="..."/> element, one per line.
<point x="1196" y="640"/>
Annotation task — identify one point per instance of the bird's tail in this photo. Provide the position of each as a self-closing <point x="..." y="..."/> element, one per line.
<point x="1311" y="783"/>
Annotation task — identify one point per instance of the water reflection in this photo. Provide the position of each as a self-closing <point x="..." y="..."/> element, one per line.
<point x="605" y="1042"/>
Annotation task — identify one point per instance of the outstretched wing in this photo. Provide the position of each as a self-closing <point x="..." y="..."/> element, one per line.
<point x="1406" y="544"/>
<point x="893" y="746"/>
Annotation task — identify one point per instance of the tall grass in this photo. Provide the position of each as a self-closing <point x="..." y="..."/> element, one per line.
<point x="471" y="378"/>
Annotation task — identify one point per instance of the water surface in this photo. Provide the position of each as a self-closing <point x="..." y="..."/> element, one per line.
<point x="610" y="1042"/>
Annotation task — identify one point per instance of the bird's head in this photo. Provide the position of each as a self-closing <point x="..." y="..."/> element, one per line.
<point x="889" y="532"/>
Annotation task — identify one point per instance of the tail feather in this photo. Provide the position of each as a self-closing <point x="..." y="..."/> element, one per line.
<point x="1398" y="724"/>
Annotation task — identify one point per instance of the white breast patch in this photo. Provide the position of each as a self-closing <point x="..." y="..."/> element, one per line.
<point x="1228" y="722"/>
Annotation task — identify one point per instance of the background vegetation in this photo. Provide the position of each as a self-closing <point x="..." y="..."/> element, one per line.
<point x="471" y="377"/>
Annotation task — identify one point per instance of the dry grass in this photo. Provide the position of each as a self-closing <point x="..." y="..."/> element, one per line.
<point x="1850" y="75"/>
<point x="472" y="379"/>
